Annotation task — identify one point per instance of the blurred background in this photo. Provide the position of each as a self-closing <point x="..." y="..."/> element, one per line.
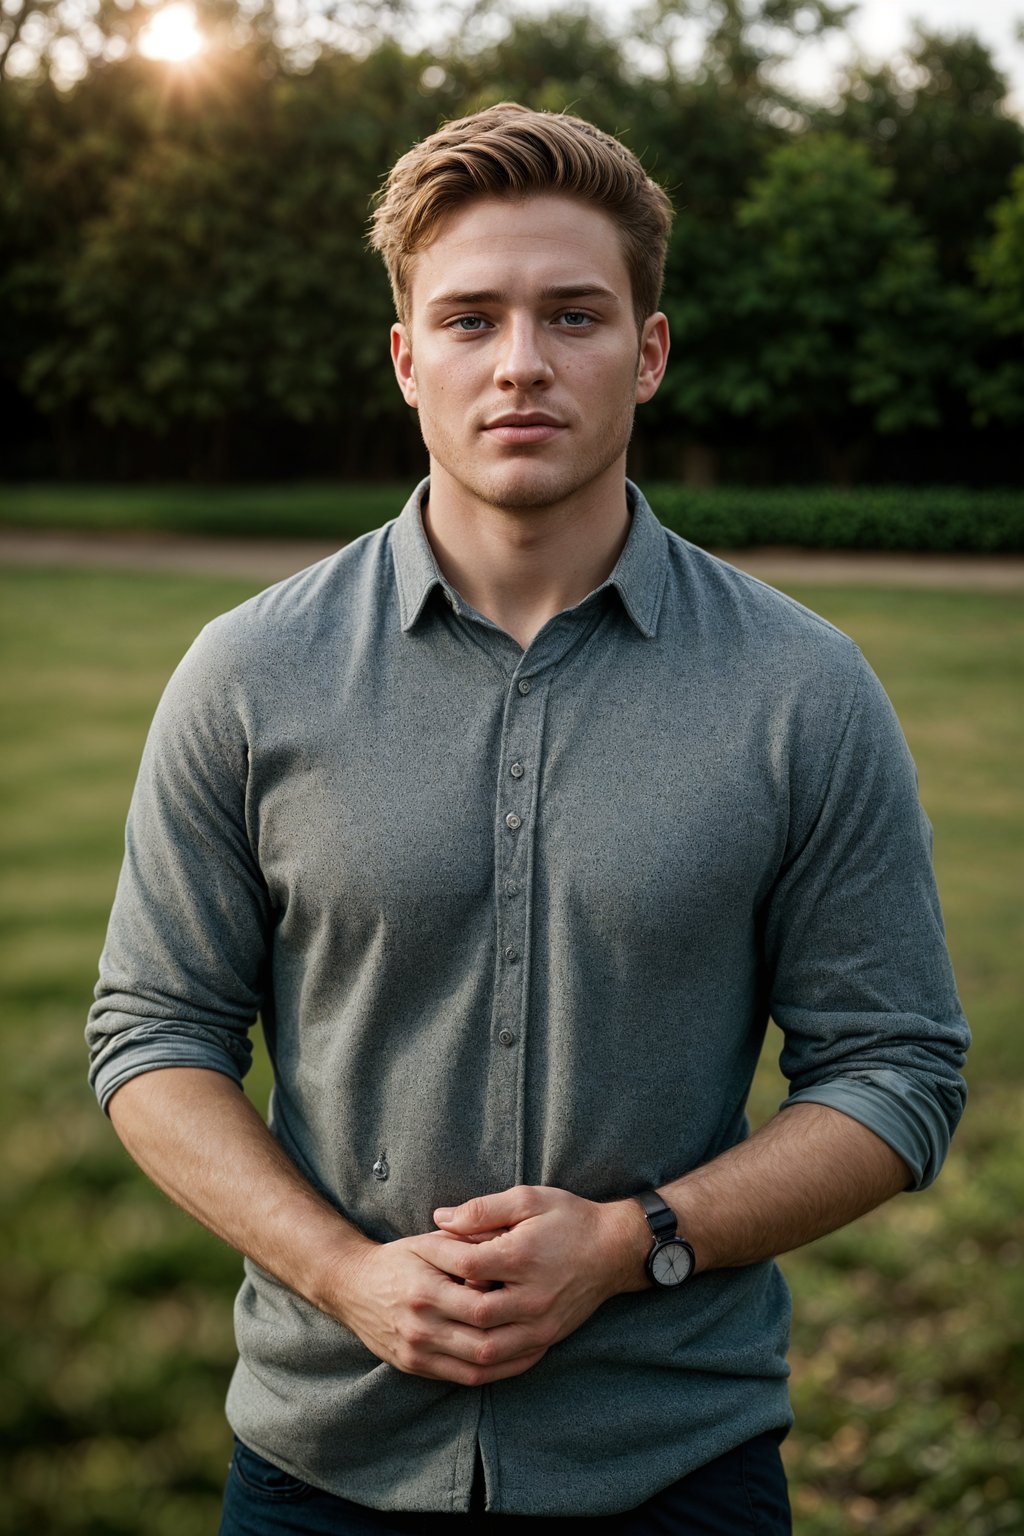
<point x="194" y="380"/>
<point x="186" y="292"/>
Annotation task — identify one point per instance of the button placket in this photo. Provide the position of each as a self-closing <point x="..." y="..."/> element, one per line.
<point x="517" y="828"/>
<point x="521" y="733"/>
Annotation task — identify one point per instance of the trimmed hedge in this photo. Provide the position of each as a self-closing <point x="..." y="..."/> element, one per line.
<point x="942" y="519"/>
<point x="304" y="510"/>
<point x="938" y="519"/>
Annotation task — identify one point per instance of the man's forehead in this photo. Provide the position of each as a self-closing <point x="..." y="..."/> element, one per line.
<point x="558" y="247"/>
<point x="517" y="216"/>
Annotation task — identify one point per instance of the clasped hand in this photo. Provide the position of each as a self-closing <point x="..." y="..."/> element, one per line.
<point x="485" y="1296"/>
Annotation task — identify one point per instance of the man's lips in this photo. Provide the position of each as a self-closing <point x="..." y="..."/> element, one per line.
<point x="525" y="427"/>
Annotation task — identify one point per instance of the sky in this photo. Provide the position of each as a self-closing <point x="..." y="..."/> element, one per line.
<point x="880" y="27"/>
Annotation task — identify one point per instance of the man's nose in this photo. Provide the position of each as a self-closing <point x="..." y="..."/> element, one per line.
<point x="523" y="362"/>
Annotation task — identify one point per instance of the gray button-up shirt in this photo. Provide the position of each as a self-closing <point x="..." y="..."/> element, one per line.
<point x="522" y="916"/>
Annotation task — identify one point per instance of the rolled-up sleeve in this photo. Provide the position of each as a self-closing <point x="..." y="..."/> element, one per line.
<point x="182" y="969"/>
<point x="860" y="977"/>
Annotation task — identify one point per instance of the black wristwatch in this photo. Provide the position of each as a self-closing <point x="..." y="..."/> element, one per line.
<point x="671" y="1259"/>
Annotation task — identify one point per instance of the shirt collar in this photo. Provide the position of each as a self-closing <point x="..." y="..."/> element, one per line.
<point x="641" y="569"/>
<point x="638" y="577"/>
<point x="415" y="567"/>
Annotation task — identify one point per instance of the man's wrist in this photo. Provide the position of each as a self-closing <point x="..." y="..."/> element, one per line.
<point x="628" y="1244"/>
<point x="336" y="1278"/>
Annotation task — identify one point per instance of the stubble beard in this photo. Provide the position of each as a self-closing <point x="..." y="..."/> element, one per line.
<point x="542" y="485"/>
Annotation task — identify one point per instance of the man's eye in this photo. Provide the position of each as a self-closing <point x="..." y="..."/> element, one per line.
<point x="469" y="323"/>
<point x="574" y="318"/>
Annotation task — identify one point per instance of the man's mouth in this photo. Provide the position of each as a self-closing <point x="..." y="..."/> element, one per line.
<point x="524" y="427"/>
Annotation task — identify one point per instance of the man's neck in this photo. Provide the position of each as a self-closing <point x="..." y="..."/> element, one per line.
<point x="519" y="567"/>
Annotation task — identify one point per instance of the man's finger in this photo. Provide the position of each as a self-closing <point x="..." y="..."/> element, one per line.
<point x="447" y="1368"/>
<point x="488" y="1309"/>
<point x="485" y="1347"/>
<point x="458" y="1260"/>
<point x="485" y="1213"/>
<point x="452" y="1255"/>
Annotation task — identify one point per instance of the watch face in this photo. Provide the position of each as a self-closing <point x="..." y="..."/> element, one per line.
<point x="671" y="1262"/>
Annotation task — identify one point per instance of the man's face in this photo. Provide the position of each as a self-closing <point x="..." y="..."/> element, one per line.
<point x="521" y="353"/>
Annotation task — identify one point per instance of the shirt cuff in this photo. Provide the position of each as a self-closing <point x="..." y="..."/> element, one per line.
<point x="153" y="1052"/>
<point x="898" y="1110"/>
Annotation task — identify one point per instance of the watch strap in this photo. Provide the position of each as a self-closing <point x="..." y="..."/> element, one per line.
<point x="661" y="1218"/>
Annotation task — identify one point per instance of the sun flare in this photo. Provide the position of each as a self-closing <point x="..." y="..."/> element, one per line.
<point x="172" y="34"/>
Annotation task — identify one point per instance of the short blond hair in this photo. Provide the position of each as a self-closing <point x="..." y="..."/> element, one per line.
<point x="509" y="151"/>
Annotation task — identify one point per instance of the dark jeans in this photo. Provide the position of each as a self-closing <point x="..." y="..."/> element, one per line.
<point x="742" y="1493"/>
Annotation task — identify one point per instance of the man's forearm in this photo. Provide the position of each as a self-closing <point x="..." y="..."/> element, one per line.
<point x="201" y="1141"/>
<point x="808" y="1171"/>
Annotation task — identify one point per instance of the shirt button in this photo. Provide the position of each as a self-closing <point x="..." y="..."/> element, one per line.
<point x="506" y="1037"/>
<point x="513" y="822"/>
<point x="511" y="889"/>
<point x="525" y="685"/>
<point x="511" y="954"/>
<point x="517" y="770"/>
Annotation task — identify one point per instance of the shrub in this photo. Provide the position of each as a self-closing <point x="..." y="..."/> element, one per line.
<point x="947" y="520"/>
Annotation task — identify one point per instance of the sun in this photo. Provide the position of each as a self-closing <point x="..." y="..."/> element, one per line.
<point x="172" y="34"/>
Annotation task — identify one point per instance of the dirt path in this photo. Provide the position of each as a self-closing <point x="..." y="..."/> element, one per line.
<point x="269" y="560"/>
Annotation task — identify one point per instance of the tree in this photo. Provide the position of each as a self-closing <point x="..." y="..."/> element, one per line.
<point x="220" y="268"/>
<point x="704" y="145"/>
<point x="998" y="391"/>
<point x="937" y="120"/>
<point x="849" y="328"/>
<point x="59" y="155"/>
<point x="566" y="61"/>
<point x="740" y="40"/>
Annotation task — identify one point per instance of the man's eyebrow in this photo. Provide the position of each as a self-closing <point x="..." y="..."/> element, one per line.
<point x="560" y="292"/>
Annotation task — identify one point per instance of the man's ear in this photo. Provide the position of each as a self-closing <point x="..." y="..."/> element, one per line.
<point x="401" y="357"/>
<point x="654" y="343"/>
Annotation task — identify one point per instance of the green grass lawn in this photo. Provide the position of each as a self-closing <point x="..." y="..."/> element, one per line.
<point x="116" y="1310"/>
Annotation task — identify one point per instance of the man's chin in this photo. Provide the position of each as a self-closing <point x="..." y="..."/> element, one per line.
<point x="532" y="491"/>
<point x="525" y="499"/>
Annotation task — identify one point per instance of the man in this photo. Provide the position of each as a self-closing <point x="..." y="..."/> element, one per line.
<point x="514" y="820"/>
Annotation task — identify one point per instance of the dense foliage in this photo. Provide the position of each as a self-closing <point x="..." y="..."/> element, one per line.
<point x="936" y="520"/>
<point x="186" y="288"/>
